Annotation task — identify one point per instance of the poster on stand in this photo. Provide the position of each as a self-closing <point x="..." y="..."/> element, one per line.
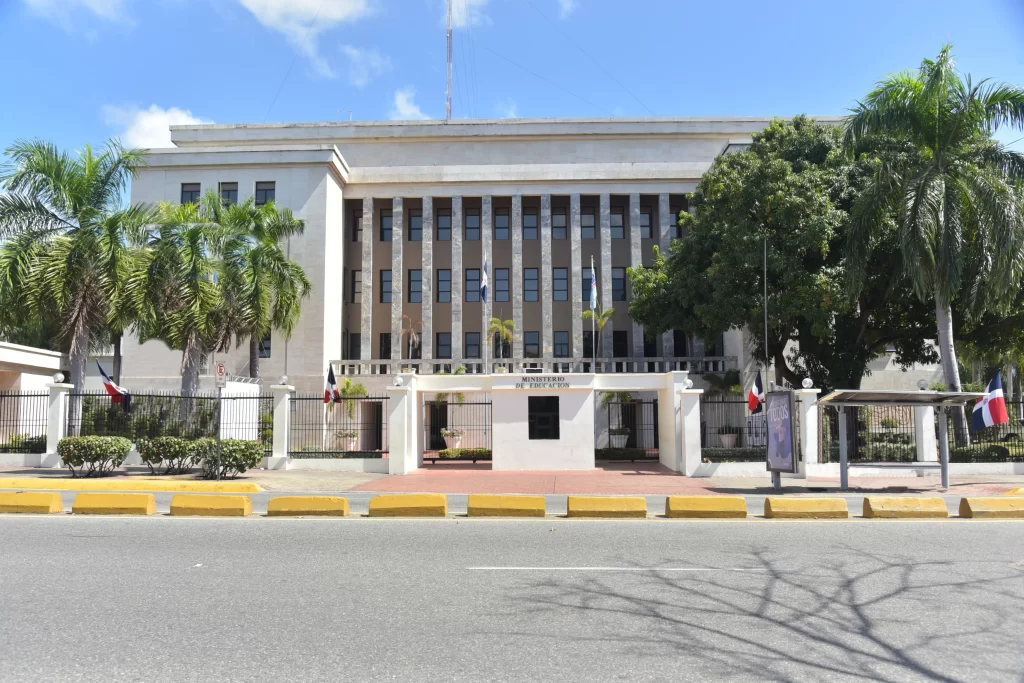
<point x="779" y="411"/>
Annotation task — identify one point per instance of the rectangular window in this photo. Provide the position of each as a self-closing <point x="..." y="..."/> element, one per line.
<point x="265" y="193"/>
<point x="416" y="286"/>
<point x="673" y="219"/>
<point x="444" y="225"/>
<point x="529" y="226"/>
<point x="472" y="345"/>
<point x="561" y="278"/>
<point x="502" y="351"/>
<point x="356" y="287"/>
<point x="530" y="284"/>
<point x="385" y="345"/>
<point x="444" y="344"/>
<point x="620" y="344"/>
<point x="385" y="225"/>
<point x="229" y="193"/>
<point x="618" y="225"/>
<point x="472" y="226"/>
<point x="561" y="344"/>
<point x="385" y="286"/>
<point x="501" y="224"/>
<point x="357" y="226"/>
<point x="679" y="345"/>
<point x="531" y="344"/>
<point x="543" y="417"/>
<point x="588" y="225"/>
<point x="472" y="284"/>
<point x="444" y="286"/>
<point x="190" y="193"/>
<point x="650" y="346"/>
<point x="413" y="348"/>
<point x="618" y="284"/>
<point x="265" y="346"/>
<point x="415" y="226"/>
<point x="586" y="285"/>
<point x="588" y="344"/>
<point x="355" y="346"/>
<point x="559" y="229"/>
<point x="645" y="224"/>
<point x="501" y="284"/>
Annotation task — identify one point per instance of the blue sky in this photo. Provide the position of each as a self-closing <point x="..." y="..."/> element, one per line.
<point x="81" y="71"/>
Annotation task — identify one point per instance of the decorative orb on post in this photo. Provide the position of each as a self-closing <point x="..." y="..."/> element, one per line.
<point x="922" y="384"/>
<point x="398" y="381"/>
<point x="688" y="383"/>
<point x="58" y="377"/>
<point x="283" y="380"/>
<point x="807" y="383"/>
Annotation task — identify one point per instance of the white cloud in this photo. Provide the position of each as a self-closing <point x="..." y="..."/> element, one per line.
<point x="67" y="13"/>
<point x="364" y="64"/>
<point x="301" y="22"/>
<point x="404" y="108"/>
<point x="466" y="13"/>
<point x="507" y="109"/>
<point x="147" y="128"/>
<point x="566" y="7"/>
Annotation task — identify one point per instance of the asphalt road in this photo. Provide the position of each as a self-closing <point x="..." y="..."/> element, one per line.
<point x="177" y="599"/>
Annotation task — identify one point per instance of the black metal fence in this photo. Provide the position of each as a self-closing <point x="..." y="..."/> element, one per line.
<point x="632" y="425"/>
<point x="999" y="443"/>
<point x="23" y="421"/>
<point x="453" y="429"/>
<point x="873" y="433"/>
<point x="354" y="428"/>
<point x="730" y="433"/>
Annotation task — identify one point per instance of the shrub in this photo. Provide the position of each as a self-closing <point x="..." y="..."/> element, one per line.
<point x="465" y="454"/>
<point x="452" y="433"/>
<point x="889" y="452"/>
<point x="620" y="454"/>
<point x="93" y="455"/>
<point x="744" y="454"/>
<point x="990" y="453"/>
<point x="23" y="443"/>
<point x="177" y="455"/>
<point x="890" y="423"/>
<point x="236" y="456"/>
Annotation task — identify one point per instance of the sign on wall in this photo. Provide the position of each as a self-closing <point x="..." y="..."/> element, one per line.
<point x="781" y="432"/>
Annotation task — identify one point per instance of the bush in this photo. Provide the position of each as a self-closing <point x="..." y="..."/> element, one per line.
<point x="93" y="455"/>
<point x="744" y="454"/>
<point x="620" y="454"/>
<point x="888" y="452"/>
<point x="990" y="453"/>
<point x="473" y="454"/>
<point x="236" y="456"/>
<point x="177" y="455"/>
<point x="23" y="443"/>
<point x="890" y="423"/>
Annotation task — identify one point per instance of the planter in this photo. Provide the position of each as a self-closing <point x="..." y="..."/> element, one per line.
<point x="618" y="440"/>
<point x="452" y="441"/>
<point x="350" y="443"/>
<point x="728" y="440"/>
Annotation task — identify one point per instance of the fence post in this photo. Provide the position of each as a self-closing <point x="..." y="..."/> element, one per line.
<point x="404" y="427"/>
<point x="808" y="416"/>
<point x="278" y="459"/>
<point x="924" y="432"/>
<point x="679" y="424"/>
<point x="56" y="420"/>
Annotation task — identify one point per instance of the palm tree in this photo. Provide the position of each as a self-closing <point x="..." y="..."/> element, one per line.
<point x="350" y="390"/>
<point x="956" y="197"/>
<point x="721" y="386"/>
<point x="602" y="318"/>
<point x="442" y="396"/>
<point x="68" y="242"/>
<point x="409" y="332"/>
<point x="505" y="329"/>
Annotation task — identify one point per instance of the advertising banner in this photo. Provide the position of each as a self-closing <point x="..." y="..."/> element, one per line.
<point x="781" y="432"/>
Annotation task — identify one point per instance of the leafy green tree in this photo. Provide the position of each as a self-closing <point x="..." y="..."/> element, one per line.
<point x="504" y="329"/>
<point x="602" y="317"/>
<point x="349" y="391"/>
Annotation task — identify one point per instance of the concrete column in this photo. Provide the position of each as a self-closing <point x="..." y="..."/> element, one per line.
<point x="808" y="421"/>
<point x="665" y="241"/>
<point x="516" y="275"/>
<point x="635" y="260"/>
<point x="605" y="278"/>
<point x="924" y="429"/>
<point x="404" y="428"/>
<point x="457" y="227"/>
<point x="369" y="283"/>
<point x="844" y="457"/>
<point x="486" y="249"/>
<point x="426" y="329"/>
<point x="278" y="459"/>
<point x="56" y="422"/>
<point x="547" y="349"/>
<point x="576" y="290"/>
<point x="679" y="420"/>
<point x="397" y="275"/>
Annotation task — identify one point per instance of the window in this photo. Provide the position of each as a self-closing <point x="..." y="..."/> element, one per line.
<point x="673" y="218"/>
<point x="385" y="225"/>
<point x="561" y="344"/>
<point x="472" y="284"/>
<point x="558" y="226"/>
<point x="472" y="345"/>
<point x="444" y="225"/>
<point x="355" y="346"/>
<point x="588" y="225"/>
<point x="679" y="345"/>
<point x="357" y="226"/>
<point x="357" y="287"/>
<point x="529" y="226"/>
<point x="416" y="286"/>
<point x="502" y="351"/>
<point x="444" y="286"/>
<point x="265" y="192"/>
<point x="561" y="284"/>
<point x="588" y="344"/>
<point x="415" y="226"/>
<point x="501" y="224"/>
<point x="385" y="345"/>
<point x="531" y="344"/>
<point x="620" y="344"/>
<point x="618" y="284"/>
<point x="586" y="285"/>
<point x="385" y="286"/>
<point x="530" y="284"/>
<point x="650" y="346"/>
<point x="444" y="344"/>
<point x="415" y="350"/>
<point x="618" y="226"/>
<point x="190" y="193"/>
<point x="501" y="284"/>
<point x="472" y="226"/>
<point x="645" y="224"/>
<point x="265" y="346"/>
<point x="228" y="193"/>
<point x="543" y="417"/>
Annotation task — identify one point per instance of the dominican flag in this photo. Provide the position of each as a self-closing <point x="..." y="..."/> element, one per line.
<point x="331" y="390"/>
<point x="991" y="408"/>
<point x="483" y="283"/>
<point x="755" y="399"/>
<point x="593" y="287"/>
<point x="118" y="394"/>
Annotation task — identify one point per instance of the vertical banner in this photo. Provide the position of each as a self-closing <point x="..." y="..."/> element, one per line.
<point x="781" y="433"/>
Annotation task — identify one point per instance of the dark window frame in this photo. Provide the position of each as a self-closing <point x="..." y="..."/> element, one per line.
<point x="265" y="346"/>
<point x="560" y="292"/>
<point x="356" y="287"/>
<point x="543" y="418"/>
<point x="501" y="232"/>
<point x="501" y="284"/>
<point x="445" y="236"/>
<point x="444" y="286"/>
<point x="559" y="232"/>
<point x="618" y="232"/>
<point x="646" y="231"/>
<point x="191" y="193"/>
<point x="385" y="291"/>
<point x="384" y="348"/>
<point x="415" y="232"/>
<point x="592" y="228"/>
<point x="386" y="229"/>
<point x="586" y="285"/>
<point x="232" y="193"/>
<point x="618" y="290"/>
<point x="472" y="293"/>
<point x="415" y="286"/>
<point x="534" y="229"/>
<point x="620" y="342"/>
<point x="357" y="226"/>
<point x="472" y="345"/>
<point x="531" y="285"/>
<point x="471" y="233"/>
<point x="531" y="339"/>
<point x="265" y="192"/>
<point x="444" y="341"/>
<point x="561" y="341"/>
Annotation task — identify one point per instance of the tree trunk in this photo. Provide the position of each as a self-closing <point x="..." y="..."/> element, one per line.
<point x="190" y="359"/>
<point x="950" y="372"/>
<point x="254" y="357"/>
<point x="78" y="354"/>
<point x="976" y="369"/>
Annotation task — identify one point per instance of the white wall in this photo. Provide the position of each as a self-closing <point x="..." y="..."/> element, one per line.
<point x="512" y="447"/>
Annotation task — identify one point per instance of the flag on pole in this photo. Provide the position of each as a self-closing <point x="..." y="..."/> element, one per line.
<point x="991" y="408"/>
<point x="756" y="397"/>
<point x="483" y="283"/>
<point x="331" y="390"/>
<point x="593" y="286"/>
<point x="118" y="394"/>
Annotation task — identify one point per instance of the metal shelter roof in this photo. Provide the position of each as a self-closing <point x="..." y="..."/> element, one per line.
<point x="868" y="397"/>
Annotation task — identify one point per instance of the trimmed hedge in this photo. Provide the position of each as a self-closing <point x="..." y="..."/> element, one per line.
<point x="742" y="454"/>
<point x="620" y="454"/>
<point x="236" y="456"/>
<point x="473" y="454"/>
<point x="23" y="443"/>
<point x="93" y="455"/>
<point x="317" y="453"/>
<point x="177" y="455"/>
<point x="983" y="453"/>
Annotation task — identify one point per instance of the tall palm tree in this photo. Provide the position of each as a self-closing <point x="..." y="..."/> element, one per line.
<point x="956" y="197"/>
<point x="409" y="334"/>
<point x="68" y="241"/>
<point x="602" y="317"/>
<point x="505" y="329"/>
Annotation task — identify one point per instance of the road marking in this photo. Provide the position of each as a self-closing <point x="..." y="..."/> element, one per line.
<point x="619" y="569"/>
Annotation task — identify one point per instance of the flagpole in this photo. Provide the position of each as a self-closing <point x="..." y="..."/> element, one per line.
<point x="593" y="315"/>
<point x="766" y="307"/>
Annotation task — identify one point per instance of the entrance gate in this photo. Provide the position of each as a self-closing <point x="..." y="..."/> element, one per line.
<point x="632" y="430"/>
<point x="454" y="430"/>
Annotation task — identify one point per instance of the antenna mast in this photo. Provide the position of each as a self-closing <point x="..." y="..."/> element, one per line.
<point x="448" y="99"/>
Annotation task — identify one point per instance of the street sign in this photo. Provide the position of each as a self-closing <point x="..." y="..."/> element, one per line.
<point x="221" y="375"/>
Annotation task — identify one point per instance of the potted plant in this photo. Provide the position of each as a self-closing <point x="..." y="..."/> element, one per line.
<point x="617" y="436"/>
<point x="727" y="435"/>
<point x="349" y="439"/>
<point x="452" y="437"/>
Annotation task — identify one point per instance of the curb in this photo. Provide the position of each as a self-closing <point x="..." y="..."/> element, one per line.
<point x="63" y="484"/>
<point x="409" y="505"/>
<point x="713" y="507"/>
<point x="294" y="506"/>
<point x="114" y="504"/>
<point x="607" y="506"/>
<point x="805" y="508"/>
<point x="32" y="502"/>
<point x="494" y="505"/>
<point x="904" y="507"/>
<point x="188" y="505"/>
<point x="1014" y="492"/>
<point x="992" y="508"/>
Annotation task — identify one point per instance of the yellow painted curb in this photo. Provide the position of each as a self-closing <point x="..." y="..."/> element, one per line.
<point x="185" y="504"/>
<point x="904" y="506"/>
<point x="291" y="506"/>
<point x="409" y="505"/>
<point x="63" y="484"/>
<point x="489" y="505"/>
<point x="30" y="501"/>
<point x="805" y="508"/>
<point x="992" y="507"/>
<point x="607" y="506"/>
<point x="114" y="504"/>
<point x="706" y="506"/>
<point x="1014" y="492"/>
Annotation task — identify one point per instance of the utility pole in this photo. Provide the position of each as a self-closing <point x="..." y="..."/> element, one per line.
<point x="448" y="98"/>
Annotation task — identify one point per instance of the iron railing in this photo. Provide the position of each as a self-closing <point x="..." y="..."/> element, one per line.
<point x="729" y="432"/>
<point x="693" y="365"/>
<point x="354" y="428"/>
<point x="873" y="433"/>
<point x="145" y="416"/>
<point x="23" y="418"/>
<point x="467" y="425"/>
<point x="999" y="443"/>
<point x="632" y="426"/>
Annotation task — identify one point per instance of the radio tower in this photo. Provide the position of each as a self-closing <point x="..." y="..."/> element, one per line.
<point x="448" y="99"/>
